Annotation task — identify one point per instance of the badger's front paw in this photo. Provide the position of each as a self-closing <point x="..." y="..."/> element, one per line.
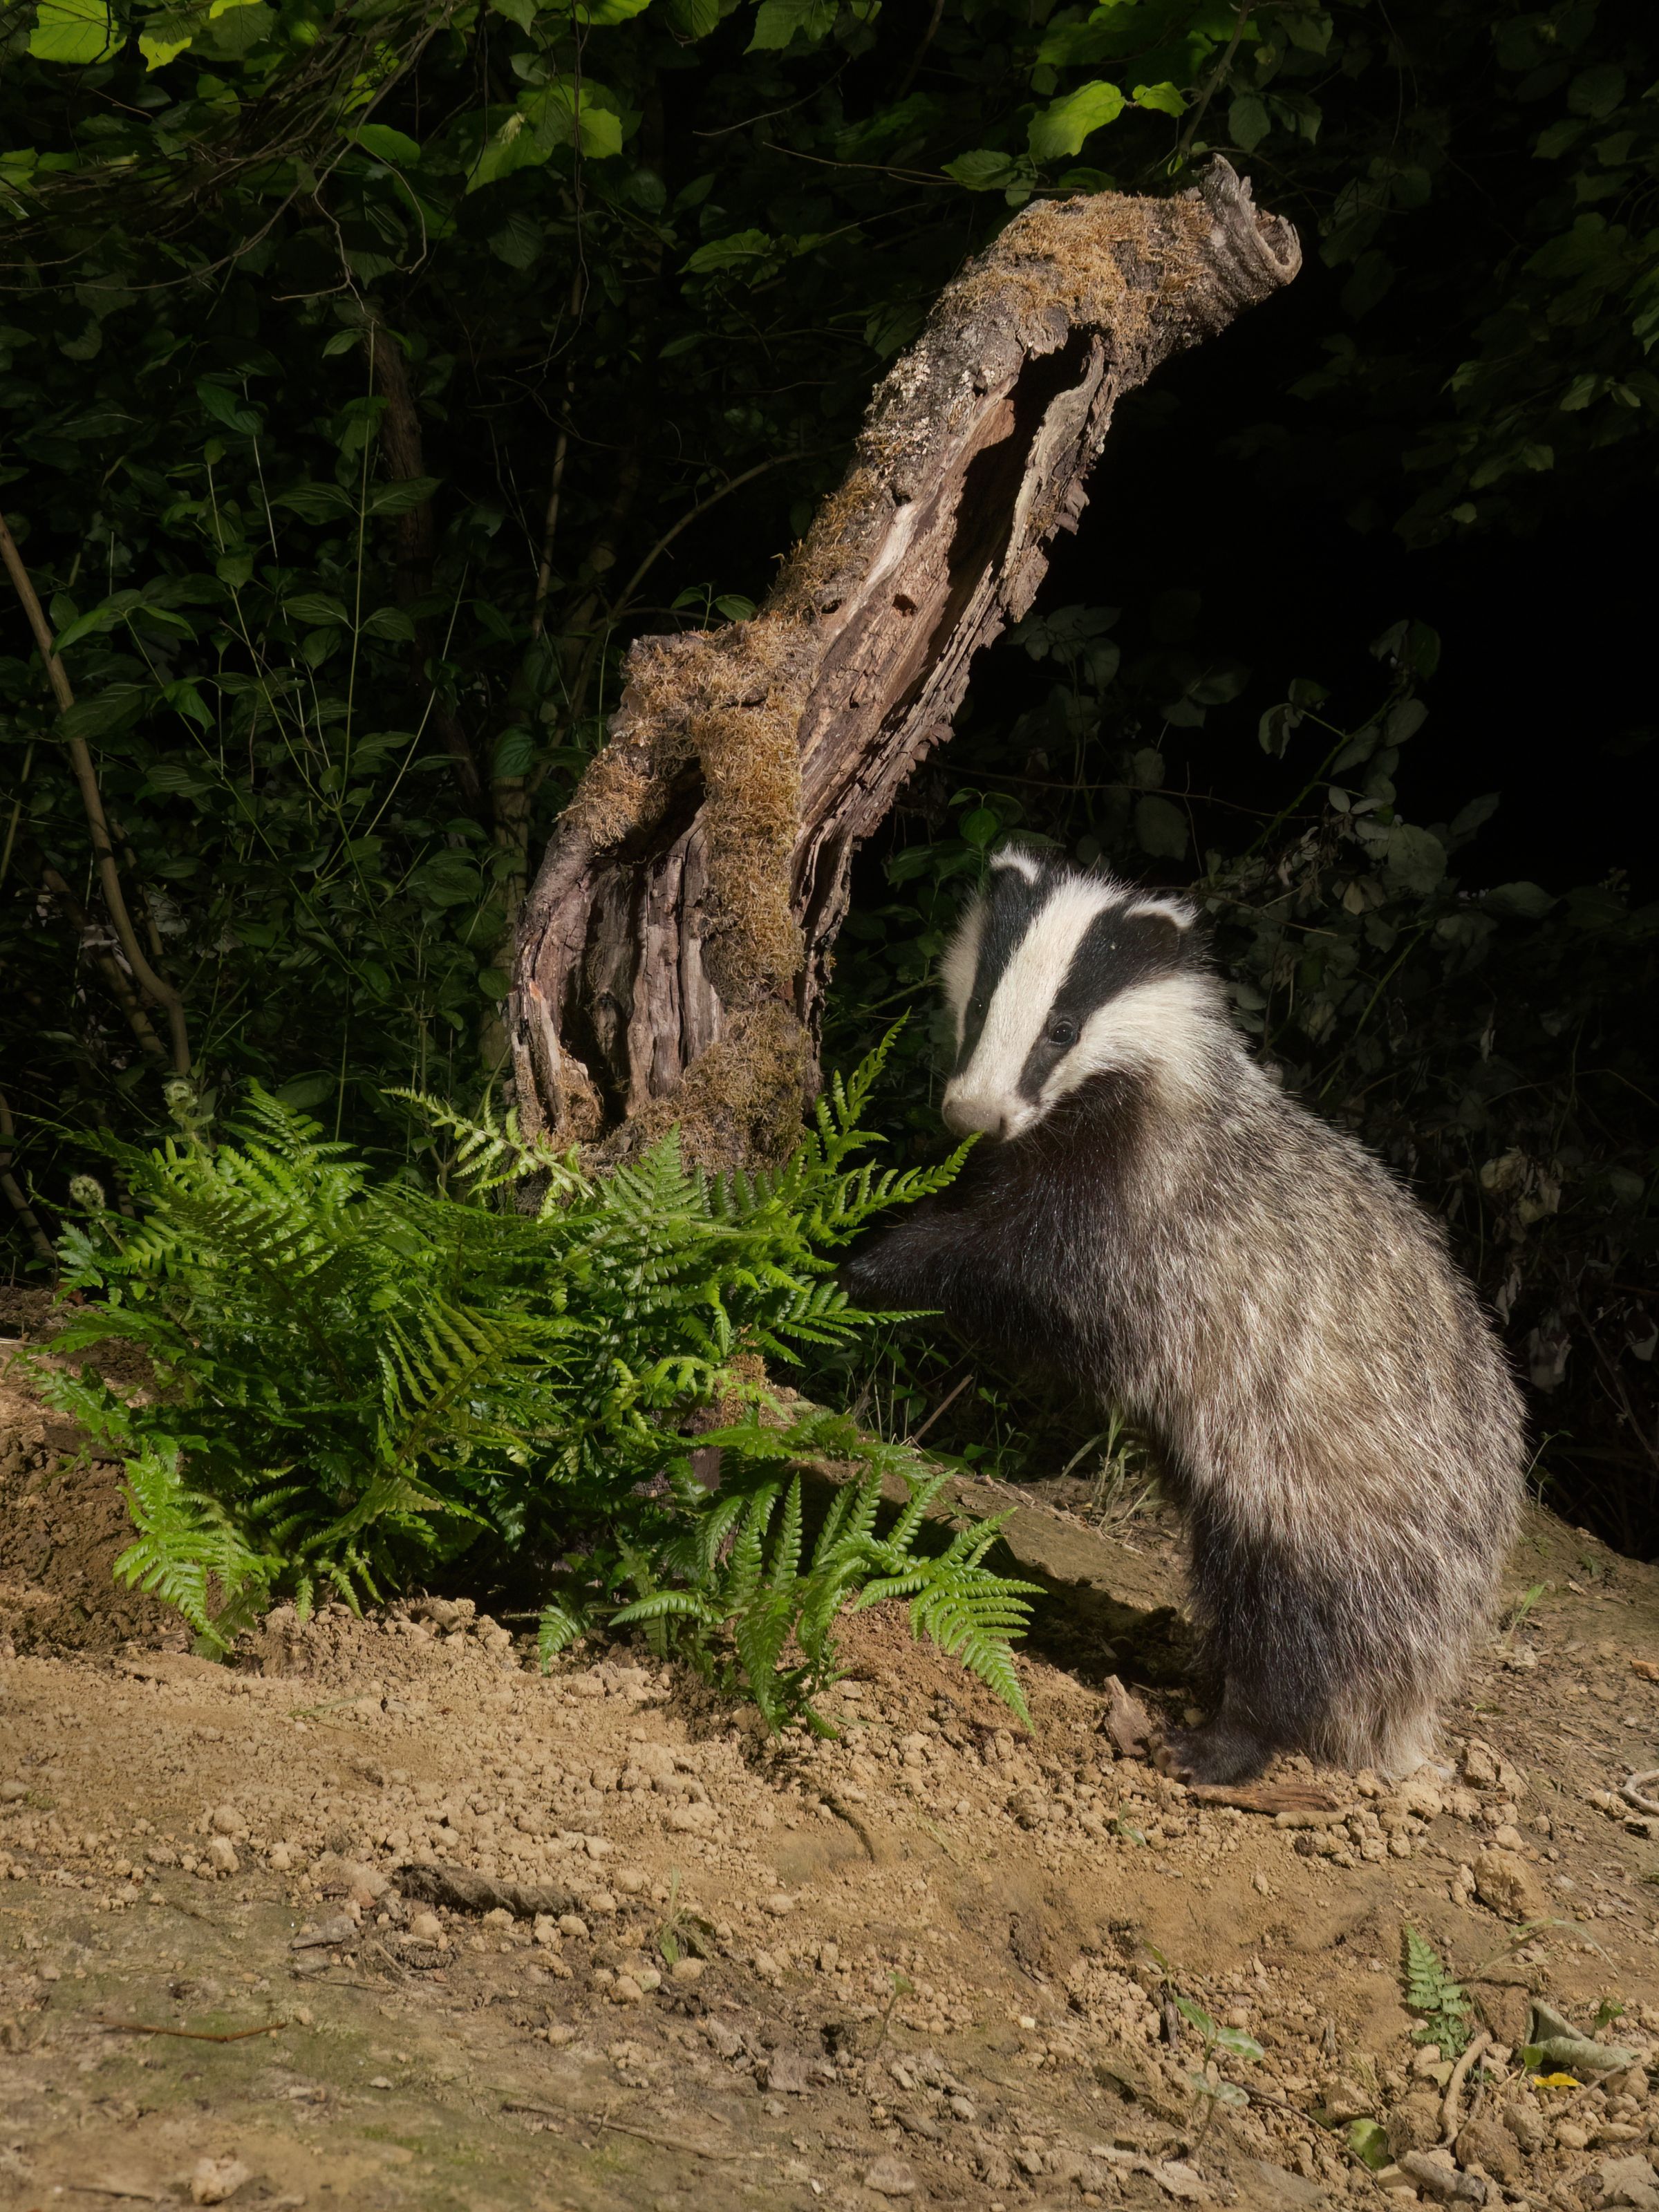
<point x="1222" y="1751"/>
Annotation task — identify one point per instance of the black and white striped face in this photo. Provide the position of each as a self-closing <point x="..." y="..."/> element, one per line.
<point x="1056" y="976"/>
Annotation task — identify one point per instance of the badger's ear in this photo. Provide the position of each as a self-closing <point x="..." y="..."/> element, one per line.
<point x="1018" y="860"/>
<point x="1180" y="911"/>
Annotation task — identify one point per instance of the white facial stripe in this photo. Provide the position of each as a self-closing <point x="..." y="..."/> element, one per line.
<point x="956" y="970"/>
<point x="1163" y="1026"/>
<point x="1025" y="992"/>
<point x="1021" y="862"/>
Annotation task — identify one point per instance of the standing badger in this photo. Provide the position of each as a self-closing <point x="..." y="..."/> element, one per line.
<point x="1150" y="1215"/>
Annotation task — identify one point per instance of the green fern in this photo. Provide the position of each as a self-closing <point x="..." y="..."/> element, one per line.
<point x="1430" y="1990"/>
<point x="362" y="1377"/>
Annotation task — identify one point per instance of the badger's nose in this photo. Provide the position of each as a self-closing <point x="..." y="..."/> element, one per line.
<point x="967" y="1113"/>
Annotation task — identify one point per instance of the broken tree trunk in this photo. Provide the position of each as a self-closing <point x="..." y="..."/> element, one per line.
<point x="674" y="955"/>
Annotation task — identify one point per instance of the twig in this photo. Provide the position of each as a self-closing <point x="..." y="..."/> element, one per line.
<point x="92" y="799"/>
<point x="1632" y="1790"/>
<point x="617" y="2127"/>
<point x="942" y="1407"/>
<point x="189" y="2034"/>
<point x="855" y="1821"/>
<point x="1454" y="2087"/>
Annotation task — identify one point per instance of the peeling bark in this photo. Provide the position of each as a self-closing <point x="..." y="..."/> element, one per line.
<point x="675" y="949"/>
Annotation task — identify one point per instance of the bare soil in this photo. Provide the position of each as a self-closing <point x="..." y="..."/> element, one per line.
<point x="933" y="1962"/>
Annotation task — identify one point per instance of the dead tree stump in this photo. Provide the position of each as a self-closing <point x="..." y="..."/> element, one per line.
<point x="673" y="954"/>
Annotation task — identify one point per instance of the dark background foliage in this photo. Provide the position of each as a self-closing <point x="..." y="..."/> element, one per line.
<point x="369" y="377"/>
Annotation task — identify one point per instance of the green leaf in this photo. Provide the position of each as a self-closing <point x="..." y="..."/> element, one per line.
<point x="1161" y="827"/>
<point x="983" y="171"/>
<point x="386" y="144"/>
<point x="1531" y="901"/>
<point x="778" y="21"/>
<point x="519" y="241"/>
<point x="521" y="12"/>
<point x="391" y="623"/>
<point x="402" y="494"/>
<point x="223" y="406"/>
<point x="1596" y="92"/>
<point x="302" y="1092"/>
<point x="1063" y="125"/>
<point x="731" y="253"/>
<point x="78" y="31"/>
<point x="515" y="753"/>
<point x="317" y="503"/>
<point x="1369" y="2142"/>
<point x="693" y="19"/>
<point x="1248" y="121"/>
<point x="315" y="607"/>
<point x="1412" y="859"/>
<point x="1165" y="99"/>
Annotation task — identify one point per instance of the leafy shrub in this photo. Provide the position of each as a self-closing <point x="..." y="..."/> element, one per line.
<point x="356" y="1377"/>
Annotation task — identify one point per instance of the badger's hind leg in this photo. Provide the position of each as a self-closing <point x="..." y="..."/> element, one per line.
<point x="1329" y="1654"/>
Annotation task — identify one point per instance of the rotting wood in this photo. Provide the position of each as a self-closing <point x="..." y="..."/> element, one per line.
<point x="674" y="952"/>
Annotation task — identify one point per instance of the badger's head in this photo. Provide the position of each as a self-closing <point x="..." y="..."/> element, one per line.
<point x="1057" y="975"/>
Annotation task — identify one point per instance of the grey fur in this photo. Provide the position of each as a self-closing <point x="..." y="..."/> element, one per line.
<point x="1253" y="1288"/>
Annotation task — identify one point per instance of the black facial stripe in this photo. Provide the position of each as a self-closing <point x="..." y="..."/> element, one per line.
<point x="1012" y="905"/>
<point x="1117" y="952"/>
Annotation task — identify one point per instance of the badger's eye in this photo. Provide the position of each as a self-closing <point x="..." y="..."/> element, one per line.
<point x="1062" y="1030"/>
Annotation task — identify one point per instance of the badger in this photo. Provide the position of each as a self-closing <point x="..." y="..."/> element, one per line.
<point x="1148" y="1213"/>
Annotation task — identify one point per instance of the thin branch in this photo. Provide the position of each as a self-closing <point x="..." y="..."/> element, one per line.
<point x="27" y="1217"/>
<point x="85" y="775"/>
<point x="619" y="606"/>
<point x="921" y="53"/>
<point x="115" y="976"/>
<point x="189" y="2034"/>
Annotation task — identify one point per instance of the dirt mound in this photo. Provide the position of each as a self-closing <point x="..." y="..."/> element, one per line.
<point x="63" y="1523"/>
<point x="382" y="1917"/>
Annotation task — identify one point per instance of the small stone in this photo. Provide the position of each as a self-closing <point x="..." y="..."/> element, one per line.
<point x="226" y="1820"/>
<point x="1570" y="2135"/>
<point x="215" y="2180"/>
<point x="778" y="1904"/>
<point x="573" y="1924"/>
<point x="13" y="1793"/>
<point x="1630" y="2181"/>
<point x="560" y="2033"/>
<point x="686" y="1970"/>
<point x="498" y="1918"/>
<point x="545" y="1931"/>
<point x="1344" y="2101"/>
<point x="891" y="2177"/>
<point x="1414" y="2123"/>
<point x="1479" y="1765"/>
<point x="280" y="1859"/>
<point x="1525" y="2122"/>
<point x="1509" y="1839"/>
<point x="342" y="1928"/>
<point x="829" y="1958"/>
<point x="601" y="1900"/>
<point x="784" y="2070"/>
<point x="1485" y="2144"/>
<point x="1507" y="1883"/>
<point x="632" y="1880"/>
<point x="221" y="1855"/>
<point x="427" y="1927"/>
<point x="1433" y="2172"/>
<point x="625" y="1990"/>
